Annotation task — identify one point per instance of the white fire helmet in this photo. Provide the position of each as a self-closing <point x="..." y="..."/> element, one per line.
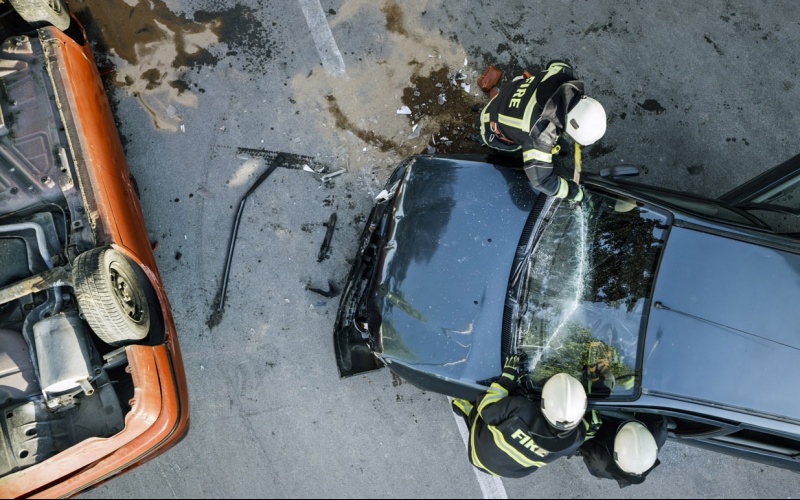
<point x="635" y="449"/>
<point x="563" y="401"/>
<point x="586" y="121"/>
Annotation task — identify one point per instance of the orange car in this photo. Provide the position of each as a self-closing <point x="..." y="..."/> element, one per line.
<point x="91" y="378"/>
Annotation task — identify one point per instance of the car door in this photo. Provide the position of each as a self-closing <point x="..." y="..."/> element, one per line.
<point x="773" y="196"/>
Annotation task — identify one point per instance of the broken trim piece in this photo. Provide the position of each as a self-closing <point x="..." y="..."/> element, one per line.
<point x="326" y="243"/>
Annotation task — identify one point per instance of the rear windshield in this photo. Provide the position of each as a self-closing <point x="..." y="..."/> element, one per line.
<point x="586" y="287"/>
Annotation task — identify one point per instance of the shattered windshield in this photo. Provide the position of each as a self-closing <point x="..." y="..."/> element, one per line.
<point x="585" y="289"/>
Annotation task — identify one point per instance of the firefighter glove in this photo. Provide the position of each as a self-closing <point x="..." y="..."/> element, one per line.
<point x="596" y="371"/>
<point x="511" y="367"/>
<point x="578" y="196"/>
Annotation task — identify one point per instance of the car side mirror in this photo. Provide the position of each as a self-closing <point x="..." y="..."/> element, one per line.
<point x="619" y="171"/>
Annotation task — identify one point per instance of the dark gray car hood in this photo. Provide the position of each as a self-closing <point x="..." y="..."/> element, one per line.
<point x="446" y="265"/>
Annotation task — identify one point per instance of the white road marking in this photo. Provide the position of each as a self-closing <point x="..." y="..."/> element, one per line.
<point x="491" y="486"/>
<point x="323" y="38"/>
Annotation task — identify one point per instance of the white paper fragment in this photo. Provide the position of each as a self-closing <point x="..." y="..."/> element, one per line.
<point x="404" y="111"/>
<point x="466" y="87"/>
<point x="183" y="128"/>
<point x="308" y="169"/>
<point x="415" y="131"/>
<point x="442" y="99"/>
<point x="465" y="61"/>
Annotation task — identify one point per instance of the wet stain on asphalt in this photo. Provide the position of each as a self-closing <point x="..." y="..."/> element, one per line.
<point x="245" y="33"/>
<point x="344" y="123"/>
<point x="130" y="30"/>
<point x="651" y="105"/>
<point x="439" y="103"/>
<point x="394" y="18"/>
<point x="695" y="169"/>
<point x="441" y="111"/>
<point x="152" y="49"/>
<point x="713" y="44"/>
<point x="599" y="149"/>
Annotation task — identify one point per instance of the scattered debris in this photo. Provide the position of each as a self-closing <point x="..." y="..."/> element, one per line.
<point x="405" y="110"/>
<point x="452" y="117"/>
<point x="327" y="177"/>
<point x="332" y="290"/>
<point x="287" y="160"/>
<point x="326" y="242"/>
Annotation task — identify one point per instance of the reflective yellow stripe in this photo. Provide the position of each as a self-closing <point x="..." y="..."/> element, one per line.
<point x="510" y="121"/>
<point x="535" y="154"/>
<point x="526" y="118"/>
<point x="495" y="393"/>
<point x="553" y="69"/>
<point x="475" y="460"/>
<point x="463" y="405"/>
<point x="563" y="189"/>
<point x="512" y="452"/>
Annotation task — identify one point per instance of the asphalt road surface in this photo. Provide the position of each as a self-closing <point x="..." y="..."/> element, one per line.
<point x="208" y="93"/>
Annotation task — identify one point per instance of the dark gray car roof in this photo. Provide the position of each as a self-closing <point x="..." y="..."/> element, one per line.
<point x="723" y="325"/>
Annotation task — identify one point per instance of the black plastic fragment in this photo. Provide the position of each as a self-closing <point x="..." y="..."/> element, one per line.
<point x="326" y="243"/>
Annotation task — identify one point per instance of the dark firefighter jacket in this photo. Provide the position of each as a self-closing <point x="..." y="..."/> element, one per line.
<point x="509" y="435"/>
<point x="598" y="453"/>
<point x="530" y="114"/>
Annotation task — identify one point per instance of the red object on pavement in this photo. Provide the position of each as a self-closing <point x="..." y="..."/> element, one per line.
<point x="491" y="75"/>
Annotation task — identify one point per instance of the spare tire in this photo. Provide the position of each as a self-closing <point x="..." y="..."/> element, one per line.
<point x="41" y="13"/>
<point x="111" y="296"/>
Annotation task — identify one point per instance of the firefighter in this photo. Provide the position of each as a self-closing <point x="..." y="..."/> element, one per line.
<point x="512" y="436"/>
<point x="625" y="451"/>
<point x="530" y="114"/>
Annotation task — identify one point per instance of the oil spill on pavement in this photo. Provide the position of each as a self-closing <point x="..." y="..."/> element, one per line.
<point x="440" y="102"/>
<point x="246" y="35"/>
<point x="149" y="45"/>
<point x="360" y="110"/>
<point x="651" y="105"/>
<point x="152" y="49"/>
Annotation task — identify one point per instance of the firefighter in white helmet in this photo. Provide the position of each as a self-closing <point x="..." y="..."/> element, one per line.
<point x="531" y="112"/>
<point x="625" y="451"/>
<point x="512" y="436"/>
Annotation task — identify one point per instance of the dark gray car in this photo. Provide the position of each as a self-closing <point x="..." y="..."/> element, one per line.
<point x="689" y="304"/>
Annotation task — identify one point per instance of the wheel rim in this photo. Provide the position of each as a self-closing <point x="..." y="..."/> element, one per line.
<point x="127" y="295"/>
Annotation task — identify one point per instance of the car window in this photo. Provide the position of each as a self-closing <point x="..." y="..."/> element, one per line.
<point x="586" y="287"/>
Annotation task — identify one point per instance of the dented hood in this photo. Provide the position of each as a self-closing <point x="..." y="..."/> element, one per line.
<point x="446" y="265"/>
